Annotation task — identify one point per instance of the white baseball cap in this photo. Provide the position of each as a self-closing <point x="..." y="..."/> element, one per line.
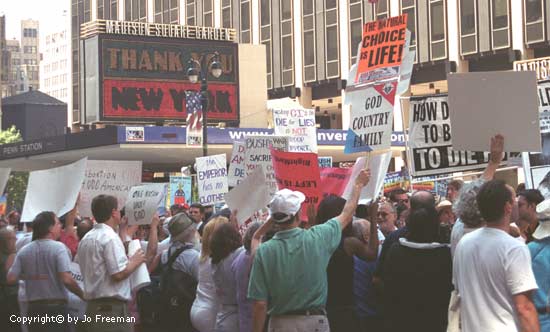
<point x="543" y="214"/>
<point x="287" y="202"/>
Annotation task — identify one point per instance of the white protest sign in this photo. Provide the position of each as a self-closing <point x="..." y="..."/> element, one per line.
<point x="108" y="177"/>
<point x="140" y="277"/>
<point x="299" y="125"/>
<point x="378" y="165"/>
<point x="236" y="164"/>
<point x="259" y="155"/>
<point x="4" y="177"/>
<point x="484" y="104"/>
<point x="212" y="179"/>
<point x="544" y="106"/>
<point x="250" y="196"/>
<point x="54" y="189"/>
<point x="405" y="71"/>
<point x="143" y="201"/>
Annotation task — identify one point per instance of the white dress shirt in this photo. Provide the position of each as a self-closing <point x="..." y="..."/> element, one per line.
<point x="100" y="255"/>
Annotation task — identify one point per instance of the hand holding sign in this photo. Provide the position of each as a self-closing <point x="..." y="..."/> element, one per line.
<point x="363" y="178"/>
<point x="497" y="149"/>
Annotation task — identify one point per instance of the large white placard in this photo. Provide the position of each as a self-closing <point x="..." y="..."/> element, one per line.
<point x="299" y="125"/>
<point x="378" y="165"/>
<point x="259" y="155"/>
<point x="143" y="201"/>
<point x="108" y="177"/>
<point x="483" y="104"/>
<point x="4" y="177"/>
<point x="212" y="179"/>
<point x="54" y="189"/>
<point x="250" y="196"/>
<point x="236" y="164"/>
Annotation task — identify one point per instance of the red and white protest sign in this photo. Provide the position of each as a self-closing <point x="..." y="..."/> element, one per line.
<point x="334" y="180"/>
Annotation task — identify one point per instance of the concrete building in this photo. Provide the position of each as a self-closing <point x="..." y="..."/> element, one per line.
<point x="4" y="59"/>
<point x="16" y="77"/>
<point x="55" y="65"/>
<point x="30" y="56"/>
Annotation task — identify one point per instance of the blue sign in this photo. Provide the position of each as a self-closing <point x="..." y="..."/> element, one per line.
<point x="180" y="190"/>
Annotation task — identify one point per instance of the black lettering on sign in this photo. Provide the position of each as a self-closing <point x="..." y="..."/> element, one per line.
<point x="441" y="157"/>
<point x="222" y="102"/>
<point x="128" y="98"/>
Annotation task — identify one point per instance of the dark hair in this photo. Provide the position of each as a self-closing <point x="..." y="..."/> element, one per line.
<point x="103" y="206"/>
<point x="422" y="199"/>
<point x="520" y="188"/>
<point x="247" y="240"/>
<point x="362" y="211"/>
<point x="176" y="208"/>
<point x="41" y="224"/>
<point x="423" y="225"/>
<point x="83" y="227"/>
<point x="224" y="241"/>
<point x="394" y="193"/>
<point x="457" y="184"/>
<point x="197" y="205"/>
<point x="532" y="196"/>
<point x="331" y="206"/>
<point x="492" y="198"/>
<point x="399" y="209"/>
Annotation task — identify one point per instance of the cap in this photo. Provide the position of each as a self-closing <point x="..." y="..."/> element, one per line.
<point x="443" y="204"/>
<point x="543" y="214"/>
<point x="178" y="224"/>
<point x="286" y="202"/>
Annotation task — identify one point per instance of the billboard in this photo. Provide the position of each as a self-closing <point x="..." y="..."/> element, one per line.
<point x="144" y="79"/>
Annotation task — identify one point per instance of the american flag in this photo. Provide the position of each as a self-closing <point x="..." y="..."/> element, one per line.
<point x="194" y="110"/>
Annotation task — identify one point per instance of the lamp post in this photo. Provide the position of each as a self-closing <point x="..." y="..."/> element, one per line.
<point x="196" y="71"/>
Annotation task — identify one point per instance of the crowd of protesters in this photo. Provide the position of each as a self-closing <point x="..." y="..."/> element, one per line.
<point x="475" y="260"/>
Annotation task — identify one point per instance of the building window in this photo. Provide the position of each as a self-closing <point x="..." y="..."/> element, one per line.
<point x="287" y="43"/>
<point x="308" y="27"/>
<point x="468" y="27"/>
<point x="167" y="11"/>
<point x="190" y="12"/>
<point x="265" y="37"/>
<point x="409" y="7"/>
<point x="332" y="51"/>
<point x="245" y="32"/>
<point x="208" y="13"/>
<point x="226" y="14"/>
<point x="107" y="9"/>
<point x="534" y="21"/>
<point x="355" y="28"/>
<point x="136" y="10"/>
<point x="438" y="30"/>
<point x="382" y="9"/>
<point x="500" y="24"/>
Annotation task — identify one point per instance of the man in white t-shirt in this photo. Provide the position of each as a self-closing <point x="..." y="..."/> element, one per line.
<point x="492" y="270"/>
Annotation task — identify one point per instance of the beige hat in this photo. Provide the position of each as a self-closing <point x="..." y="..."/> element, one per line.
<point x="443" y="204"/>
<point x="543" y="214"/>
<point x="178" y="224"/>
<point x="287" y="202"/>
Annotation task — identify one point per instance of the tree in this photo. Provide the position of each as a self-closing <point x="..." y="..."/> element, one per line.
<point x="17" y="183"/>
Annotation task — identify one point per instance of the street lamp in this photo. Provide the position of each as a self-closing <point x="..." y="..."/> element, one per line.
<point x="199" y="71"/>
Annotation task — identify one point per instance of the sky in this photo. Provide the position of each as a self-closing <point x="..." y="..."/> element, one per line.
<point x="49" y="13"/>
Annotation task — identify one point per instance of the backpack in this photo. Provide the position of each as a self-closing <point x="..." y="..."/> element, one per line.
<point x="177" y="294"/>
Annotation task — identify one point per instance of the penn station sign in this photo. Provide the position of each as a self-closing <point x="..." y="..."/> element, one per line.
<point x="142" y="78"/>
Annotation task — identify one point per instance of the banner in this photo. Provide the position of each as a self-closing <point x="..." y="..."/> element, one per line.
<point x="180" y="190"/>
<point x="371" y="118"/>
<point x="407" y="66"/>
<point x="378" y="165"/>
<point x="108" y="177"/>
<point x="325" y="162"/>
<point x="193" y="104"/>
<point x="236" y="164"/>
<point x="258" y="155"/>
<point x="299" y="125"/>
<point x="143" y="201"/>
<point x="392" y="181"/>
<point x="299" y="172"/>
<point x="54" y="189"/>
<point x="430" y="140"/>
<point x="212" y="179"/>
<point x="250" y="196"/>
<point x="334" y="180"/>
<point x="381" y="49"/>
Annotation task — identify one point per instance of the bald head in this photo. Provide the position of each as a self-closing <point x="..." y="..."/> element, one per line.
<point x="422" y="199"/>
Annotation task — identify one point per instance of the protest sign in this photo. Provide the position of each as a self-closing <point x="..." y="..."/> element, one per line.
<point x="108" y="177"/>
<point x="258" y="155"/>
<point x="250" y="196"/>
<point x="325" y="162"/>
<point x="484" y="104"/>
<point x="378" y="165"/>
<point x="299" y="125"/>
<point x="236" y="164"/>
<point x="430" y="140"/>
<point x="75" y="305"/>
<point x="54" y="189"/>
<point x="180" y="190"/>
<point x="392" y="181"/>
<point x="3" y="205"/>
<point x="544" y="106"/>
<point x="4" y="177"/>
<point x="406" y="68"/>
<point x="140" y="277"/>
<point x="334" y="180"/>
<point x="371" y="118"/>
<point x="299" y="172"/>
<point x="212" y="179"/>
<point x="381" y="49"/>
<point x="143" y="201"/>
